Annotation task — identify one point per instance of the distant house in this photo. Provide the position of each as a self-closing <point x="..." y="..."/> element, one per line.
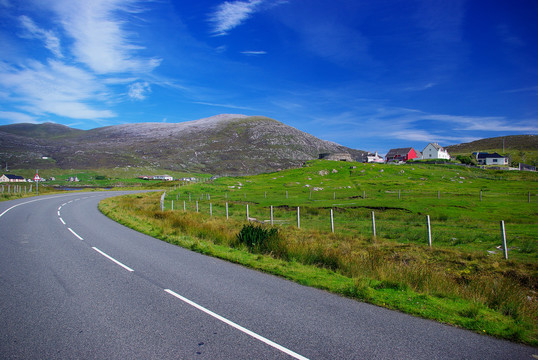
<point x="342" y="156"/>
<point x="434" y="151"/>
<point x="402" y="154"/>
<point x="163" y="177"/>
<point x="374" y="158"/>
<point x="11" y="178"/>
<point x="491" y="159"/>
<point x="73" y="179"/>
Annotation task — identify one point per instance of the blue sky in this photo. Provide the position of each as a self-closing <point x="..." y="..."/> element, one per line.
<point x="371" y="75"/>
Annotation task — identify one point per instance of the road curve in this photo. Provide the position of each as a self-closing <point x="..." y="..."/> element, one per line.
<point x="74" y="284"/>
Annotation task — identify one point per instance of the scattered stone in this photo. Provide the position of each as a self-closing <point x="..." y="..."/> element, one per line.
<point x="323" y="172"/>
<point x="334" y="171"/>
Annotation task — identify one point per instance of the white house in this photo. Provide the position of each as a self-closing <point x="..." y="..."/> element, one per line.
<point x="374" y="158"/>
<point x="11" y="178"/>
<point x="491" y="159"/>
<point x="163" y="177"/>
<point x="435" y="151"/>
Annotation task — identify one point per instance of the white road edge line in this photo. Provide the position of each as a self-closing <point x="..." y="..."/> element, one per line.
<point x="62" y="220"/>
<point x="238" y="327"/>
<point x="31" y="201"/>
<point x="112" y="259"/>
<point x="74" y="233"/>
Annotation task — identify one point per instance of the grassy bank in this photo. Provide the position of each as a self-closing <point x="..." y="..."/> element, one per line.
<point x="458" y="283"/>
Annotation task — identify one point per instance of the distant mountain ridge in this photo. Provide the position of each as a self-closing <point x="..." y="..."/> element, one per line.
<point x="222" y="144"/>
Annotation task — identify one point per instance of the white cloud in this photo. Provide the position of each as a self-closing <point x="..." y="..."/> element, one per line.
<point x="251" y="52"/>
<point x="54" y="88"/>
<point x="17" y="117"/>
<point x="52" y="42"/>
<point x="100" y="39"/>
<point x="229" y="15"/>
<point x="139" y="90"/>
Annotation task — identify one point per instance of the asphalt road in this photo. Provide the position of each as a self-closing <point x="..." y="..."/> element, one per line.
<point x="76" y="285"/>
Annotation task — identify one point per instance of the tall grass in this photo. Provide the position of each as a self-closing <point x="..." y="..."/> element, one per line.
<point x="492" y="295"/>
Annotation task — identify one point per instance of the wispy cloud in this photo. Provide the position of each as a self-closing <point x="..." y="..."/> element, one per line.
<point x="54" y="88"/>
<point x="17" y="117"/>
<point x="252" y="52"/>
<point x="231" y="14"/>
<point x="51" y="40"/>
<point x="139" y="90"/>
<point x="230" y="106"/>
<point x="93" y="51"/>
<point x="100" y="39"/>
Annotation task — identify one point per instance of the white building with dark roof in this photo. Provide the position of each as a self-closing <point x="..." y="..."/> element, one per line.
<point x="434" y="151"/>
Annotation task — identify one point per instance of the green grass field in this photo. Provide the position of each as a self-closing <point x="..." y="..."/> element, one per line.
<point x="463" y="279"/>
<point x="465" y="205"/>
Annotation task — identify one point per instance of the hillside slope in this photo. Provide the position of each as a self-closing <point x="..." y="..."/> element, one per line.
<point x="511" y="142"/>
<point x="222" y="144"/>
<point x="519" y="148"/>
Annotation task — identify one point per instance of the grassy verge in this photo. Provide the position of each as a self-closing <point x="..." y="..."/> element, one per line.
<point x="466" y="289"/>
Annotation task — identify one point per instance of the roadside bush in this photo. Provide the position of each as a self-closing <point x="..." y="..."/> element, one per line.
<point x="259" y="239"/>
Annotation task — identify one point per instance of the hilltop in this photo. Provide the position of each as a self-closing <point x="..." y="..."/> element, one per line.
<point x="222" y="144"/>
<point x="520" y="148"/>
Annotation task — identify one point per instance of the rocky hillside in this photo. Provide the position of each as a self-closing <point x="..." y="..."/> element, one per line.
<point x="222" y="144"/>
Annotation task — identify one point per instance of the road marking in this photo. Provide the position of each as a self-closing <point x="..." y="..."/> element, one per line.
<point x="62" y="220"/>
<point x="74" y="233"/>
<point x="112" y="259"/>
<point x="58" y="212"/>
<point x="31" y="201"/>
<point x="238" y="327"/>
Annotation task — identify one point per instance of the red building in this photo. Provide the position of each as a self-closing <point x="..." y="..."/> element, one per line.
<point x="402" y="154"/>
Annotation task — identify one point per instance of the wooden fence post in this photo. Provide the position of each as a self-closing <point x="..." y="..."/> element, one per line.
<point x="298" y="218"/>
<point x="373" y="225"/>
<point x="196" y="205"/>
<point x="184" y="207"/>
<point x="162" y="200"/>
<point x="227" y="211"/>
<point x="247" y="212"/>
<point x="503" y="235"/>
<point x="210" y="209"/>
<point x="429" y="230"/>
<point x="271" y="215"/>
<point x="332" y="221"/>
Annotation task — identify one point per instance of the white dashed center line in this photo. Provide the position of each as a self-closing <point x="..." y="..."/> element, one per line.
<point x="112" y="259"/>
<point x="74" y="233"/>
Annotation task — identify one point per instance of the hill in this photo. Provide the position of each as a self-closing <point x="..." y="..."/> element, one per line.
<point x="222" y="144"/>
<point x="520" y="148"/>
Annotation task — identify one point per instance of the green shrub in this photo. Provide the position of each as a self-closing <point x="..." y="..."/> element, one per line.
<point x="258" y="239"/>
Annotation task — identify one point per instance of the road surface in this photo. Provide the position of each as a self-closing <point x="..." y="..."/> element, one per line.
<point x="76" y="285"/>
